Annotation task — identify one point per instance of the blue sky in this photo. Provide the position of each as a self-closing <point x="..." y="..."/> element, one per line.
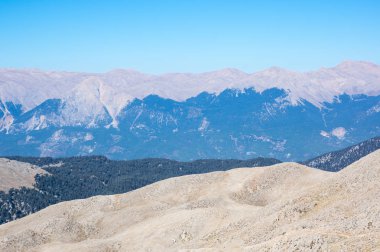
<point x="160" y="36"/>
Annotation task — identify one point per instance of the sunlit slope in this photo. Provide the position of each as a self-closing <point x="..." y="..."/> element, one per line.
<point x="281" y="207"/>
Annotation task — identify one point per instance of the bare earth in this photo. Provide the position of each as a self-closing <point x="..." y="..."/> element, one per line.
<point x="14" y="174"/>
<point x="286" y="207"/>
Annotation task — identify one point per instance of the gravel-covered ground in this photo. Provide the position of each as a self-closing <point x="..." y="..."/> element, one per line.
<point x="285" y="207"/>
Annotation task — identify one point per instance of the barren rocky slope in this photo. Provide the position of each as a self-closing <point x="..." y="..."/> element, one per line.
<point x="14" y="174"/>
<point x="284" y="207"/>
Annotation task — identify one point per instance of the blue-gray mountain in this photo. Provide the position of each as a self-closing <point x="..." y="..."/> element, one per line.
<point x="337" y="160"/>
<point x="233" y="124"/>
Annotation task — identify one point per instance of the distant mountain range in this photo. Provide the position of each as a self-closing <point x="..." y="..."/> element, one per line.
<point x="124" y="114"/>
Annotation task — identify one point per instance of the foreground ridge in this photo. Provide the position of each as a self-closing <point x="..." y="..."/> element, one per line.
<point x="286" y="206"/>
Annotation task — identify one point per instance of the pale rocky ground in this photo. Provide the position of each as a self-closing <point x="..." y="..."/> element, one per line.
<point x="14" y="174"/>
<point x="285" y="207"/>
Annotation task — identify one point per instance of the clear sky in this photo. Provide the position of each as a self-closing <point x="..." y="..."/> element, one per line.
<point x="160" y="36"/>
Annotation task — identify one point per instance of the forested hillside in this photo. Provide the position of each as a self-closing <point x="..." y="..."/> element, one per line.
<point x="82" y="177"/>
<point x="337" y="160"/>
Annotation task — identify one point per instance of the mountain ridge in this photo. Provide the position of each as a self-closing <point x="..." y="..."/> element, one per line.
<point x="238" y="209"/>
<point x="180" y="86"/>
<point x="234" y="124"/>
<point x="219" y="113"/>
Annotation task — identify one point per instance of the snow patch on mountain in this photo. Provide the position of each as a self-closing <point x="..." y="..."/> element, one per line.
<point x="37" y="122"/>
<point x="324" y="133"/>
<point x="6" y="118"/>
<point x="88" y="137"/>
<point x="204" y="125"/>
<point x="6" y="122"/>
<point x="374" y="109"/>
<point x="339" y="132"/>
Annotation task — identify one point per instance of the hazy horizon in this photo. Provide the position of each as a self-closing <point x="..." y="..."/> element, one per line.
<point x="188" y="72"/>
